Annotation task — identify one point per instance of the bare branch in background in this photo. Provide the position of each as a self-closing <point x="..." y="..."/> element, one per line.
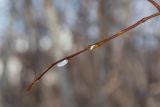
<point x="98" y="44"/>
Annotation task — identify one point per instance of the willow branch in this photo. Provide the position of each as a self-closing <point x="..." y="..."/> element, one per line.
<point x="155" y="4"/>
<point x="98" y="44"/>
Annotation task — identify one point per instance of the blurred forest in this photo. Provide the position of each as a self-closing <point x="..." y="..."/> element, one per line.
<point x="123" y="73"/>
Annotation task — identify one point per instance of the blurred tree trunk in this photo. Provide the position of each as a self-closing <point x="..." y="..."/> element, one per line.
<point x="58" y="51"/>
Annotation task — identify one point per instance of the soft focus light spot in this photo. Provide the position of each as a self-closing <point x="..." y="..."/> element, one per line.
<point x="21" y="45"/>
<point x="45" y="43"/>
<point x="14" y="67"/>
<point x="62" y="63"/>
<point x="19" y="26"/>
<point x="4" y="22"/>
<point x="4" y="15"/>
<point x="92" y="12"/>
<point x="1" y="67"/>
<point x="70" y="10"/>
<point x="66" y="39"/>
<point x="93" y="32"/>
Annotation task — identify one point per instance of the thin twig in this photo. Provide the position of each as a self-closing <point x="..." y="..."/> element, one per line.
<point x="53" y="64"/>
<point x="155" y="4"/>
<point x="98" y="44"/>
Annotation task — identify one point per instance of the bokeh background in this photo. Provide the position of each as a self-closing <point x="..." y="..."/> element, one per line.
<point x="123" y="73"/>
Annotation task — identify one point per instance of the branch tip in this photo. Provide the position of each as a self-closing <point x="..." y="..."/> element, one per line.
<point x="155" y="4"/>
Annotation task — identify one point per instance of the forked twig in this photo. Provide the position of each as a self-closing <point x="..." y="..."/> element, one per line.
<point x="98" y="44"/>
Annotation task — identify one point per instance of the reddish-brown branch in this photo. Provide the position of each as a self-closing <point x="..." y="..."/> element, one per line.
<point x="53" y="64"/>
<point x="98" y="44"/>
<point x="155" y="4"/>
<point x="127" y="29"/>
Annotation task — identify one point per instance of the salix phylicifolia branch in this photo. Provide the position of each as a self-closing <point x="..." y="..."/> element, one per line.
<point x="98" y="44"/>
<point x="155" y="4"/>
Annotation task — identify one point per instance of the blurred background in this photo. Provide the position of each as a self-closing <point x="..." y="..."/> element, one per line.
<point x="123" y="73"/>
